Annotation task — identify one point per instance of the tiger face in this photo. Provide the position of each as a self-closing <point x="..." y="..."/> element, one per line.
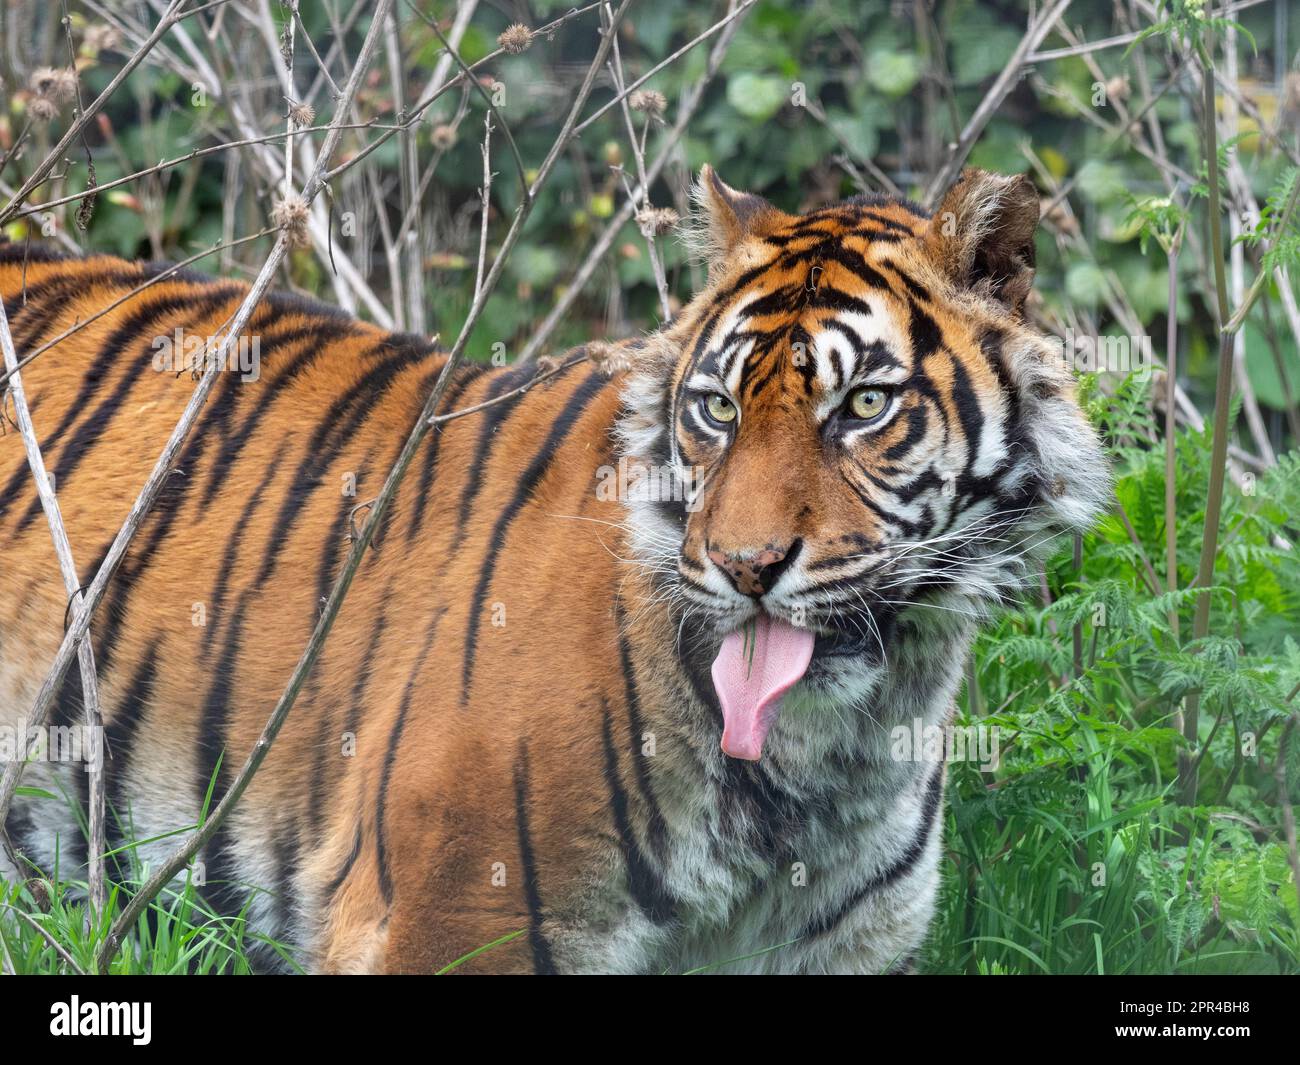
<point x="873" y="437"/>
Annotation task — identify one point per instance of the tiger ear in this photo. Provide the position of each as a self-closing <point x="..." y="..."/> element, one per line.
<point x="726" y="217"/>
<point x="982" y="235"/>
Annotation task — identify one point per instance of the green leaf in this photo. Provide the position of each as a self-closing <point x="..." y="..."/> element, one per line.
<point x="1102" y="182"/>
<point x="1085" y="283"/>
<point x="757" y="96"/>
<point x="981" y="51"/>
<point x="893" y="73"/>
<point x="857" y="131"/>
<point x="1261" y="365"/>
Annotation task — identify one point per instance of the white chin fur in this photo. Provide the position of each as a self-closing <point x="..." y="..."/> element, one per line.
<point x="832" y="683"/>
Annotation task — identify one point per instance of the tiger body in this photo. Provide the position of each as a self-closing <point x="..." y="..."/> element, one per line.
<point x="512" y="726"/>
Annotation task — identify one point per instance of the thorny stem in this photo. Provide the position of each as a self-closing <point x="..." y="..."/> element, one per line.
<point x="1187" y="777"/>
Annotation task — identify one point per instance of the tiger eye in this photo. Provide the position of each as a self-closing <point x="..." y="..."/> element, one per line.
<point x="720" y="408"/>
<point x="868" y="403"/>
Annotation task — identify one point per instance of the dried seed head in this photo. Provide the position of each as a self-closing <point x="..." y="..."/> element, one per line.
<point x="609" y="359"/>
<point x="650" y="101"/>
<point x="547" y="364"/>
<point x="443" y="136"/>
<point x="291" y="215"/>
<point x="56" y="84"/>
<point x="302" y="114"/>
<point x="515" y="39"/>
<point x="42" y="109"/>
<point x="100" y="37"/>
<point x="656" y="221"/>
<point x="1059" y="216"/>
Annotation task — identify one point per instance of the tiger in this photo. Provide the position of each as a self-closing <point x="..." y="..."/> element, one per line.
<point x="618" y="687"/>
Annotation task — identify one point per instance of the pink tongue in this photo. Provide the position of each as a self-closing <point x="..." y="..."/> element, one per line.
<point x="750" y="675"/>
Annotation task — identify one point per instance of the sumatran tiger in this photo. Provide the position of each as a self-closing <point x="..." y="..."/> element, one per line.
<point x="624" y="721"/>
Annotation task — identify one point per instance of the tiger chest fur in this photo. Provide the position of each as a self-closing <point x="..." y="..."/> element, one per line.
<point x="617" y="688"/>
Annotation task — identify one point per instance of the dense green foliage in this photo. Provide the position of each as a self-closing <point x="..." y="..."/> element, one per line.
<point x="1074" y="856"/>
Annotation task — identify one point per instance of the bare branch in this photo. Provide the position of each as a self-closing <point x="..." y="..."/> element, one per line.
<point x="686" y="110"/>
<point x="71" y="585"/>
<point x="998" y="92"/>
<point x="42" y="171"/>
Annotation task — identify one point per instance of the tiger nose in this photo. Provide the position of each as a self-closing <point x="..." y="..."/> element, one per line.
<point x="754" y="572"/>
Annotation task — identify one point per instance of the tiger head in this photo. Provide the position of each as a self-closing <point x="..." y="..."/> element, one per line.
<point x="866" y="428"/>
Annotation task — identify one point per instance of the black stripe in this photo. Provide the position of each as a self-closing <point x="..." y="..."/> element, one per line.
<point x="222" y="891"/>
<point x="327" y="440"/>
<point x="542" y="960"/>
<point x="917" y="423"/>
<point x="467" y="375"/>
<point x="656" y="829"/>
<point x="695" y="666"/>
<point x="226" y="570"/>
<point x="285" y="847"/>
<point x="98" y="367"/>
<point x="349" y="862"/>
<point x="852" y="261"/>
<point x="30" y="317"/>
<point x="363" y="673"/>
<point x="492" y="420"/>
<point x="990" y="342"/>
<point x="888" y="223"/>
<point x="326" y="737"/>
<point x="929" y="812"/>
<point x="836" y="299"/>
<point x="528" y="482"/>
<point x="757" y="386"/>
<point x="166" y="509"/>
<point x="644" y="882"/>
<point x="16" y="253"/>
<point x="70" y="712"/>
<point x="331" y="434"/>
<point x="320" y="335"/>
<point x="907" y="528"/>
<point x="120" y="732"/>
<point x="913" y="286"/>
<point x="336" y="534"/>
<point x="35" y="308"/>
<point x="127" y="336"/>
<point x="390" y="759"/>
<point x="758" y="811"/>
<point x="925" y="334"/>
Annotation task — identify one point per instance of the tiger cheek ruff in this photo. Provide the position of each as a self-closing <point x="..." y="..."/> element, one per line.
<point x="619" y="684"/>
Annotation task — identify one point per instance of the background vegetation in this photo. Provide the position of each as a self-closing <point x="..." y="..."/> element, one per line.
<point x="1125" y="829"/>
